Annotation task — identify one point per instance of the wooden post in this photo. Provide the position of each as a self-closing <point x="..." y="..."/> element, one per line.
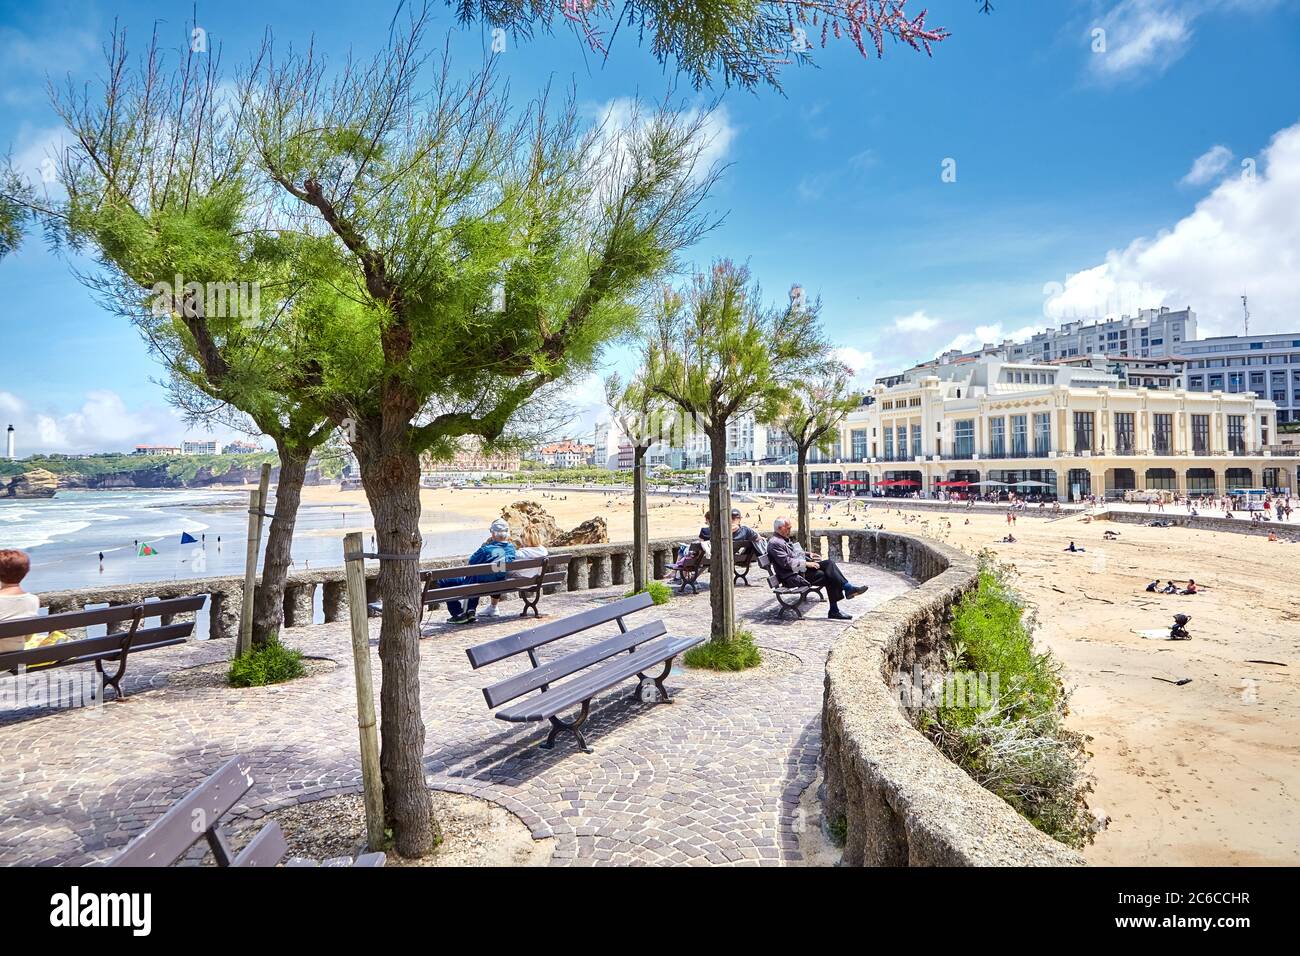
<point x="256" y="506"/>
<point x="355" y="570"/>
<point x="640" y="522"/>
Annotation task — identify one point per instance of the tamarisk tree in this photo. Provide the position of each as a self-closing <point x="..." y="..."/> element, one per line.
<point x="485" y="253"/>
<point x="748" y="42"/>
<point x="158" y="191"/>
<point x="720" y="355"/>
<point x="640" y="415"/>
<point x="811" y="419"/>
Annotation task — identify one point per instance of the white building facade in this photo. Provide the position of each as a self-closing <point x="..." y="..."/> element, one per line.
<point x="1075" y="429"/>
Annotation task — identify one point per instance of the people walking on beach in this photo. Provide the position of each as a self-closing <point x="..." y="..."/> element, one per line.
<point x="795" y="568"/>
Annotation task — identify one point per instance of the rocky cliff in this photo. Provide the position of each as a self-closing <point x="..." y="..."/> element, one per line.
<point x="524" y="514"/>
<point x="37" y="483"/>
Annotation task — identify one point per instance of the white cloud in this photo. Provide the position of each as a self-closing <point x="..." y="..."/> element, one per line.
<point x="1143" y="38"/>
<point x="1243" y="237"/>
<point x="1207" y="166"/>
<point x="918" y="321"/>
<point x="864" y="365"/>
<point x="102" y="423"/>
<point x="1140" y="36"/>
<point x="716" y="135"/>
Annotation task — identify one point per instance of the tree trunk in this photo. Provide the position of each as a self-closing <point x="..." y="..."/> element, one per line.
<point x="268" y="603"/>
<point x="804" y="519"/>
<point x="640" y="522"/>
<point x="722" y="585"/>
<point x="391" y="479"/>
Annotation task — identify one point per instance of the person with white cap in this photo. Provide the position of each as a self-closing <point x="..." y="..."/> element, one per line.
<point x="498" y="548"/>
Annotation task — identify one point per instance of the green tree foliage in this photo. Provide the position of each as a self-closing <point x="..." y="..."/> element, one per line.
<point x="811" y="419"/>
<point x="719" y="354"/>
<point x="159" y="184"/>
<point x="466" y="255"/>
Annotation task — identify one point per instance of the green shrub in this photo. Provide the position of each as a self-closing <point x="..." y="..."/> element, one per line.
<point x="659" y="592"/>
<point x="1017" y="746"/>
<point x="272" y="663"/>
<point x="738" y="654"/>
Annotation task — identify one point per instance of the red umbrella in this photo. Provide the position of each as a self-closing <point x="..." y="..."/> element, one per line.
<point x="885" y="483"/>
<point x="952" y="484"/>
<point x="905" y="483"/>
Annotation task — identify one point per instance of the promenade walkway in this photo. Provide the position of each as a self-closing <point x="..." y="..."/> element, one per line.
<point x="713" y="779"/>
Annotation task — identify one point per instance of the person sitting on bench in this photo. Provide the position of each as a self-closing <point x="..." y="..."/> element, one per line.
<point x="496" y="548"/>
<point x="795" y="568"/>
<point x="531" y="540"/>
<point x="743" y="534"/>
<point x="14" y="601"/>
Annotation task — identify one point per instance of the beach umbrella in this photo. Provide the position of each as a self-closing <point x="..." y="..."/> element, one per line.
<point x="989" y="483"/>
<point x="906" y="483"/>
<point x="1029" y="483"/>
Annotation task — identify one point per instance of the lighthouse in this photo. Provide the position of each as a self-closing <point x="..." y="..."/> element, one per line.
<point x="9" y="445"/>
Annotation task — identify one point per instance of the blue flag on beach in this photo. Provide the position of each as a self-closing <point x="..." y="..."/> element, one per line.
<point x="187" y="538"/>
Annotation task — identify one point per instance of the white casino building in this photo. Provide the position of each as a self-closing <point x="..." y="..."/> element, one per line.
<point x="1078" y="429"/>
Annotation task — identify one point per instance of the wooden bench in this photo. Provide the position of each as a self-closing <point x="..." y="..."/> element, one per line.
<point x="552" y="571"/>
<point x="789" y="598"/>
<point x="593" y="668"/>
<point x="112" y="647"/>
<point x="689" y="567"/>
<point x="198" y="815"/>
<point x="742" y="560"/>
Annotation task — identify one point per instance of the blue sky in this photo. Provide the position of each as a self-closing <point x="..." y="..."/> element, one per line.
<point x="1157" y="162"/>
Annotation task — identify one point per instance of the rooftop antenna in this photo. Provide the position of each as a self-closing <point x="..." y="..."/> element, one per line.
<point x="1245" y="314"/>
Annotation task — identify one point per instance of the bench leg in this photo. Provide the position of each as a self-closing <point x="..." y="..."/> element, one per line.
<point x="572" y="726"/>
<point x="113" y="681"/>
<point x="664" y="698"/>
<point x="530" y="605"/>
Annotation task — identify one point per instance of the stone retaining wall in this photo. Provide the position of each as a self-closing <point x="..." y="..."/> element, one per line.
<point x="903" y="803"/>
<point x="592" y="566"/>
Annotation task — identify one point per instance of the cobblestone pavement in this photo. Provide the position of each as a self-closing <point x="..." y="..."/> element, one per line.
<point x="714" y="778"/>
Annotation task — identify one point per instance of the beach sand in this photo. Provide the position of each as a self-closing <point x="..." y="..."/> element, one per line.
<point x="1207" y="773"/>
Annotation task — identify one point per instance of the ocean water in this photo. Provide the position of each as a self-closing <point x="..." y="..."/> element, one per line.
<point x="64" y="536"/>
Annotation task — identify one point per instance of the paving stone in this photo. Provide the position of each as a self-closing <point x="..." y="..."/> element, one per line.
<point x="715" y="777"/>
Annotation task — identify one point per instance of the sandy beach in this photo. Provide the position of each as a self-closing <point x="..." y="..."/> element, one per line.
<point x="1206" y="773"/>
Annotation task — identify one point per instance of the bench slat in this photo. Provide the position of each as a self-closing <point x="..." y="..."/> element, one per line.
<point x="267" y="848"/>
<point x="591" y="682"/>
<point x="535" y="637"/>
<point x="507" y="690"/>
<point x="460" y="571"/>
<point x="171" y="835"/>
<point x="73" y="620"/>
<point x="97" y="648"/>
<point x="504" y="586"/>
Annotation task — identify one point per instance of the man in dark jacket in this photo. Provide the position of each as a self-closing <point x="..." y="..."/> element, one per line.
<point x="795" y="568"/>
<point x="744" y="534"/>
